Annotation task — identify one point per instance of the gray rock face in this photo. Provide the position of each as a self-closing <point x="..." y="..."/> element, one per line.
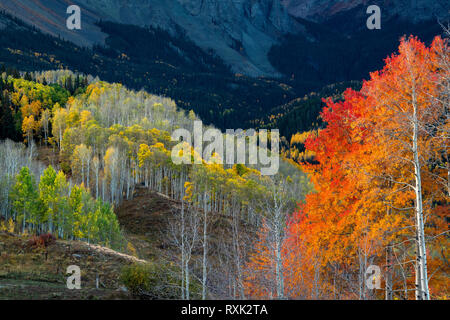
<point x="240" y="31"/>
<point x="415" y="10"/>
<point x="50" y="17"/>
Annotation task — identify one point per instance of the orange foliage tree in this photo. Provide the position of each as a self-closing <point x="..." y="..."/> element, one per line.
<point x="381" y="189"/>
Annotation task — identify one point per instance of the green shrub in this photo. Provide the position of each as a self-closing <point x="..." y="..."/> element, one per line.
<point x="156" y="281"/>
<point x="136" y="278"/>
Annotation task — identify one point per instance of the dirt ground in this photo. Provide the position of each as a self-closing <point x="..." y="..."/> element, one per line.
<point x="40" y="273"/>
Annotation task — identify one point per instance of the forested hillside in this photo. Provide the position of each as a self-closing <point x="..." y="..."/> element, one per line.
<point x="154" y="60"/>
<point x="380" y="175"/>
<point x="332" y="55"/>
<point x="173" y="66"/>
<point x="110" y="140"/>
<point x="111" y="156"/>
<point x="379" y="193"/>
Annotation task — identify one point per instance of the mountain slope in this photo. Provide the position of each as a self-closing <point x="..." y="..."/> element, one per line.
<point x="172" y="62"/>
<point x="241" y="32"/>
<point x="322" y="10"/>
<point x="154" y="60"/>
<point x="50" y="17"/>
<point x="28" y="272"/>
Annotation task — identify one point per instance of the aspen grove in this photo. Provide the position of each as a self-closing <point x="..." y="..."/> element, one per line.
<point x="370" y="189"/>
<point x="381" y="191"/>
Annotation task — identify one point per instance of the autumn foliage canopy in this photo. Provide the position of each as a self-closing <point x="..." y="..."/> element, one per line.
<point x="362" y="210"/>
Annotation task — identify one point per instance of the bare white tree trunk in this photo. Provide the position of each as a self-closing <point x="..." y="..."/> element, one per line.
<point x="184" y="235"/>
<point x="422" y="254"/>
<point x="205" y="248"/>
<point x="389" y="271"/>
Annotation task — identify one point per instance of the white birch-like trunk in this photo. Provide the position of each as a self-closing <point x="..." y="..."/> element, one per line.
<point x="421" y="254"/>
<point x="205" y="247"/>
